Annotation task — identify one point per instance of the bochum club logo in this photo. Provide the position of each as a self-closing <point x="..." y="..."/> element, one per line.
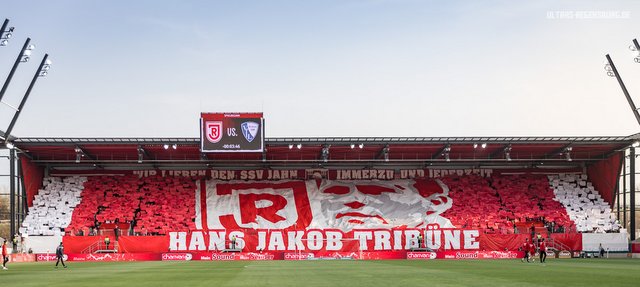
<point x="213" y="131"/>
<point x="250" y="130"/>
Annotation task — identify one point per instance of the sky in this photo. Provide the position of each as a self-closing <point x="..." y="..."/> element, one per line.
<point x="324" y="68"/>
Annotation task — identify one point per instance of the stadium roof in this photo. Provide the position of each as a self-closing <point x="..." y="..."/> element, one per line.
<point x="387" y="152"/>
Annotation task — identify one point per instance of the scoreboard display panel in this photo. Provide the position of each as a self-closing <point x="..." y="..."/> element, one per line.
<point x="231" y="132"/>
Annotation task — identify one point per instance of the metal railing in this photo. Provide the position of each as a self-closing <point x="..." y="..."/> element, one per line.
<point x="101" y="247"/>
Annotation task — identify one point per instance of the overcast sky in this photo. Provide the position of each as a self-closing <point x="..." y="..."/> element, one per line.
<point x="324" y="68"/>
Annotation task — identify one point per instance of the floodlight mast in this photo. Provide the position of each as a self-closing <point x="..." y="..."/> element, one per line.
<point x="4" y="26"/>
<point x="15" y="66"/>
<point x="615" y="73"/>
<point x="41" y="72"/>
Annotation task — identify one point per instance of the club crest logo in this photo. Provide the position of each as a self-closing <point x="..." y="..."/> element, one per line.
<point x="213" y="131"/>
<point x="250" y="130"/>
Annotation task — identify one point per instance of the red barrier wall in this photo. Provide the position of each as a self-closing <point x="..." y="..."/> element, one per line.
<point x="77" y="244"/>
<point x="572" y="240"/>
<point x="134" y="244"/>
<point x="501" y="242"/>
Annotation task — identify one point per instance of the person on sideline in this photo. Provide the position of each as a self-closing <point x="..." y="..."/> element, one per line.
<point x="5" y="257"/>
<point x="60" y="255"/>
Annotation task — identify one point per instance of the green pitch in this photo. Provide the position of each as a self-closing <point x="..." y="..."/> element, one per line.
<point x="559" y="272"/>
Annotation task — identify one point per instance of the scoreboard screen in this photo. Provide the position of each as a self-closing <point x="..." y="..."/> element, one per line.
<point x="231" y="132"/>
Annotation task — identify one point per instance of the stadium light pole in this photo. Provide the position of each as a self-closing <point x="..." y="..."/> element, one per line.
<point x="637" y="49"/>
<point x="4" y="39"/>
<point x="22" y="57"/>
<point x="613" y="72"/>
<point x="43" y="69"/>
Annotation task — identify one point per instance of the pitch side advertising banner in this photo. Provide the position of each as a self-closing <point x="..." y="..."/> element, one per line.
<point x="231" y="132"/>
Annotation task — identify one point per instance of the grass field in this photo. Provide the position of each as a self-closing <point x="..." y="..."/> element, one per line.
<point x="565" y="272"/>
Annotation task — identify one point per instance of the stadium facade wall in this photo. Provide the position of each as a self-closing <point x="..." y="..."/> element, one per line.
<point x="615" y="242"/>
<point x="42" y="244"/>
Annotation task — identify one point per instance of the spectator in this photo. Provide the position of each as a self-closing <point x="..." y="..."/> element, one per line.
<point x="15" y="244"/>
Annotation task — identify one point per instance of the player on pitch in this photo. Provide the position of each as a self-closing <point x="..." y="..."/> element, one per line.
<point x="543" y="250"/>
<point x="525" y="248"/>
<point x="532" y="251"/>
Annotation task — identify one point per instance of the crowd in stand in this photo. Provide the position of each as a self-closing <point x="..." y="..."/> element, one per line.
<point x="155" y="205"/>
<point x="134" y="206"/>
